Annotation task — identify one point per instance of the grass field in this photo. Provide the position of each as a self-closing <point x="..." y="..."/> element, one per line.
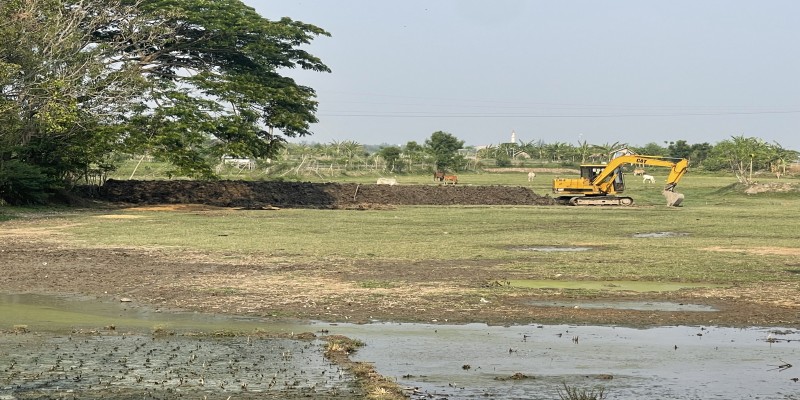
<point x="721" y="235"/>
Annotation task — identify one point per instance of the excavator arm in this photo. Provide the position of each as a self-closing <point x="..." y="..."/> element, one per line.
<point x="678" y="167"/>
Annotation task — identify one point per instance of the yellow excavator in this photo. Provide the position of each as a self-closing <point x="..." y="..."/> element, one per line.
<point x="600" y="184"/>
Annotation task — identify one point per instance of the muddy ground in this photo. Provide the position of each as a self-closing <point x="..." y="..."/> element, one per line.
<point x="35" y="259"/>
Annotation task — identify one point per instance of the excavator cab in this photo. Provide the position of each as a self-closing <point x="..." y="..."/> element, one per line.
<point x="590" y="172"/>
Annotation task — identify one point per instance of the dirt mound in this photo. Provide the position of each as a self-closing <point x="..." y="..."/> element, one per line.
<point x="312" y="195"/>
<point x="771" y="187"/>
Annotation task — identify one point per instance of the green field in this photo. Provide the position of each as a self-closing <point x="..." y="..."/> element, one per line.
<point x="718" y="232"/>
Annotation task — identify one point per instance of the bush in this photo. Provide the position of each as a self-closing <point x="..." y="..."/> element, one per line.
<point x="22" y="184"/>
<point x="503" y="160"/>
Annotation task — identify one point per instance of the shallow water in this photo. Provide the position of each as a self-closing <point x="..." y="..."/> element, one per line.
<point x="457" y="361"/>
<point x="659" y="363"/>
<point x="139" y="366"/>
<point x="626" y="305"/>
<point x="68" y="347"/>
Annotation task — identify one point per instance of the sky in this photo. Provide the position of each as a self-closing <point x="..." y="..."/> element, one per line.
<point x="605" y="72"/>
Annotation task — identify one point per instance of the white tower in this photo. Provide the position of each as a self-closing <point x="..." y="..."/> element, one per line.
<point x="513" y="136"/>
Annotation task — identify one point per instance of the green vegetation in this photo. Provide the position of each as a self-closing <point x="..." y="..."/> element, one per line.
<point x="717" y="225"/>
<point x="443" y="148"/>
<point x="184" y="81"/>
<point x="352" y="162"/>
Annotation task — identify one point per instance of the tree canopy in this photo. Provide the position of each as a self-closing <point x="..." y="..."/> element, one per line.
<point x="443" y="147"/>
<point x="183" y="80"/>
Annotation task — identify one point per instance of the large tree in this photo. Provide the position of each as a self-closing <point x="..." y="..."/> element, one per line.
<point x="220" y="78"/>
<point x="742" y="155"/>
<point x="62" y="90"/>
<point x="443" y="147"/>
<point x="391" y="155"/>
<point x="185" y="80"/>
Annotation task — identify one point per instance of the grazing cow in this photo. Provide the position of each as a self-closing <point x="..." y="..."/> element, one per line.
<point x="438" y="176"/>
<point x="648" y="179"/>
<point x="531" y="175"/>
<point x="387" y="181"/>
<point x="638" y="171"/>
<point x="450" y="179"/>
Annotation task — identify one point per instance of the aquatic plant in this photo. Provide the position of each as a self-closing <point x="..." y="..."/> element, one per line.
<point x="573" y="393"/>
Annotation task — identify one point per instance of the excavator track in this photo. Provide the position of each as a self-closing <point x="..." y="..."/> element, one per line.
<point x="595" y="200"/>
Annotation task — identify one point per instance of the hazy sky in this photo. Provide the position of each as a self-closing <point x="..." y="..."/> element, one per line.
<point x="628" y="71"/>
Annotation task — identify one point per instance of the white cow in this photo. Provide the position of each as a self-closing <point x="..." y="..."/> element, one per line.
<point x="387" y="181"/>
<point x="648" y="179"/>
<point x="240" y="163"/>
<point x="531" y="175"/>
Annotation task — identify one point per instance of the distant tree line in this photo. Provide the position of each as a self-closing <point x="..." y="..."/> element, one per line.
<point x="738" y="155"/>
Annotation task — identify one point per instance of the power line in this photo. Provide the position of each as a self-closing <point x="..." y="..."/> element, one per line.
<point x="416" y="114"/>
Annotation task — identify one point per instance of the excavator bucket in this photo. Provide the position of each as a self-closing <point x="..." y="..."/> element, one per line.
<point x="674" y="199"/>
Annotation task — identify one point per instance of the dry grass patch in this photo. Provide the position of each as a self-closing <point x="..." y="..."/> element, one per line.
<point x="175" y="207"/>
<point x="780" y="294"/>
<point x="118" y="216"/>
<point x="760" y="251"/>
<point x="254" y="293"/>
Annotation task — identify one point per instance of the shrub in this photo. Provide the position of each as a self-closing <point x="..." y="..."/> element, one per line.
<point x="22" y="183"/>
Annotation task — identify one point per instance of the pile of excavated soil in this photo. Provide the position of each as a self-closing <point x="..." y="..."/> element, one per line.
<point x="772" y="187"/>
<point x="312" y="195"/>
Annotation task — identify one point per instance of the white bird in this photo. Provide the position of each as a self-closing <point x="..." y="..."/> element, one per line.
<point x="484" y="300"/>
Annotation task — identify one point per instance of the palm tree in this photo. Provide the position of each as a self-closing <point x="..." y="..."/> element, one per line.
<point x="352" y="151"/>
<point x="583" y="150"/>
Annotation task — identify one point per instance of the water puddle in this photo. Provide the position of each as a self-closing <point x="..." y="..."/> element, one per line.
<point x="549" y="249"/>
<point x="633" y="286"/>
<point x="659" y="234"/>
<point x="628" y="305"/>
<point x="473" y="361"/>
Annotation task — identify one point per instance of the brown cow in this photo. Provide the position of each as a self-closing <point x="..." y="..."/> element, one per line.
<point x="450" y="179"/>
<point x="438" y="176"/>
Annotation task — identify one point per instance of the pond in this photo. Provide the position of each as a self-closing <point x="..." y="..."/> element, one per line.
<point x="62" y="355"/>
